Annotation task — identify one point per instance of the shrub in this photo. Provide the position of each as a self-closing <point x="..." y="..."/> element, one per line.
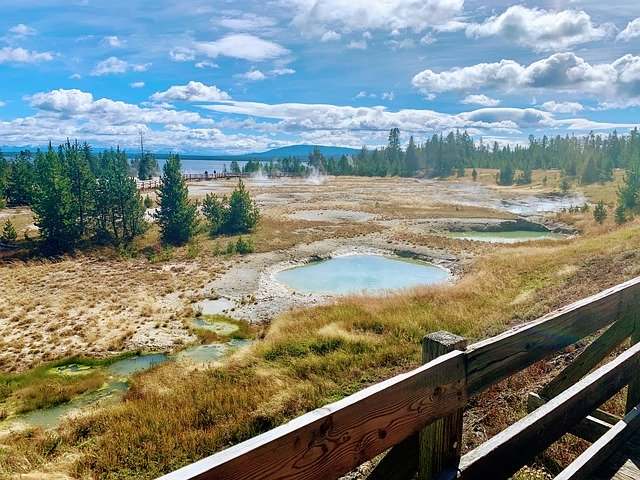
<point x="148" y="203"/>
<point x="9" y="234"/>
<point x="600" y="212"/>
<point x="244" y="246"/>
<point x="238" y="214"/>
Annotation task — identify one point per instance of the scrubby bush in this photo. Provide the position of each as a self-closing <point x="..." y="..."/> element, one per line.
<point x="600" y="212"/>
<point x="244" y="246"/>
<point x="238" y="214"/>
<point x="9" y="234"/>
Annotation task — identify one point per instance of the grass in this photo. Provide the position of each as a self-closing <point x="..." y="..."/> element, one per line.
<point x="41" y="387"/>
<point x="243" y="332"/>
<point x="314" y="356"/>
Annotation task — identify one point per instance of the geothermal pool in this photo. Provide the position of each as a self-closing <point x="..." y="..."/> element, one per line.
<point x="361" y="273"/>
<point x="513" y="236"/>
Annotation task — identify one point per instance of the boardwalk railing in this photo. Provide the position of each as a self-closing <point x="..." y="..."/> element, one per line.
<point x="195" y="177"/>
<point x="416" y="417"/>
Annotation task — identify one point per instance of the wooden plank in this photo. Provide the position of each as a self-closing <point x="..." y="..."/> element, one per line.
<point x="333" y="440"/>
<point x="590" y="429"/>
<point x="591" y="356"/>
<point x="505" y="453"/>
<point x="623" y="464"/>
<point x="400" y="462"/>
<point x="441" y="441"/>
<point x="633" y="393"/>
<point x="586" y="464"/>
<point x="494" y="359"/>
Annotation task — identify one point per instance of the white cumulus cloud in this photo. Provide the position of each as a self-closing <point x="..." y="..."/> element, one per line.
<point x="181" y="54"/>
<point x="136" y="84"/>
<point x="562" y="107"/>
<point x="541" y="29"/>
<point x="113" y="41"/>
<point x="191" y="92"/>
<point x="243" y="46"/>
<point x="631" y="31"/>
<point x="615" y="83"/>
<point x="22" y="30"/>
<point x="115" y="65"/>
<point x="21" y="55"/>
<point x="480" y="100"/>
<point x="343" y="16"/>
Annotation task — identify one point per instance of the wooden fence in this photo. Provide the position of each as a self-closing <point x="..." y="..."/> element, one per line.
<point x="195" y="177"/>
<point x="416" y="417"/>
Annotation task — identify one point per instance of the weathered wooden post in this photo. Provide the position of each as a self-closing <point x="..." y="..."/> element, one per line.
<point x="633" y="391"/>
<point x="438" y="445"/>
<point x="440" y="442"/>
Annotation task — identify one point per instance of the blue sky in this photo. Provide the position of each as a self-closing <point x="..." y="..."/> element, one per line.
<point x="237" y="76"/>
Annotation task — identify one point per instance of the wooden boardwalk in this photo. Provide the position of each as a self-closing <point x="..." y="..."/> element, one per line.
<point x="144" y="185"/>
<point x="415" y="419"/>
<point x="623" y="464"/>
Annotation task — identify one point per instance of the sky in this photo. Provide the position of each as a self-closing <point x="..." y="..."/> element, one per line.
<point x="223" y="76"/>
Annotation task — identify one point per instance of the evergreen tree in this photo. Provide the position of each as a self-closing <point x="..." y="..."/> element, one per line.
<point x="600" y="212"/>
<point x="19" y="189"/>
<point x="243" y="214"/>
<point x="215" y="210"/>
<point x="5" y="171"/>
<point x="411" y="158"/>
<point x="177" y="216"/>
<point x="119" y="209"/>
<point x="474" y="174"/>
<point x="147" y="166"/>
<point x="78" y="171"/>
<point x="506" y="175"/>
<point x="9" y="234"/>
<point x="53" y="204"/>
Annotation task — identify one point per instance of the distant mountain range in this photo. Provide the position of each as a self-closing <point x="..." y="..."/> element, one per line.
<point x="300" y="151"/>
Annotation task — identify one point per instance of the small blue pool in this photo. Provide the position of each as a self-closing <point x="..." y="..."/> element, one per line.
<point x="361" y="273"/>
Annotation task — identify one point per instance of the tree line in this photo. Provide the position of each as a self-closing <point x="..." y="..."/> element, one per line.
<point x="590" y="159"/>
<point x="78" y="196"/>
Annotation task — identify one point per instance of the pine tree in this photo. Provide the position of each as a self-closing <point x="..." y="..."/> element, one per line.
<point x="9" y="234"/>
<point x="600" y="212"/>
<point x="147" y="166"/>
<point x="243" y="214"/>
<point x="474" y="174"/>
<point x="19" y="189"/>
<point x="54" y="204"/>
<point x="82" y="181"/>
<point x="506" y="175"/>
<point x="119" y="209"/>
<point x="177" y="216"/>
<point x="411" y="157"/>
<point x="215" y="210"/>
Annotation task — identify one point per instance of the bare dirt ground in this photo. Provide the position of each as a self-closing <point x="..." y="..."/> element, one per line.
<point x="98" y="303"/>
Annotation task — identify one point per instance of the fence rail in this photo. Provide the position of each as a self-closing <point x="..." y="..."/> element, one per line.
<point x="419" y="412"/>
<point x="195" y="177"/>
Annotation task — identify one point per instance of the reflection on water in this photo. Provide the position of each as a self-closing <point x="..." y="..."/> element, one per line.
<point x="360" y="273"/>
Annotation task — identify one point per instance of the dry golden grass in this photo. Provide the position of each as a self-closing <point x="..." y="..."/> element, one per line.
<point x="313" y="356"/>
